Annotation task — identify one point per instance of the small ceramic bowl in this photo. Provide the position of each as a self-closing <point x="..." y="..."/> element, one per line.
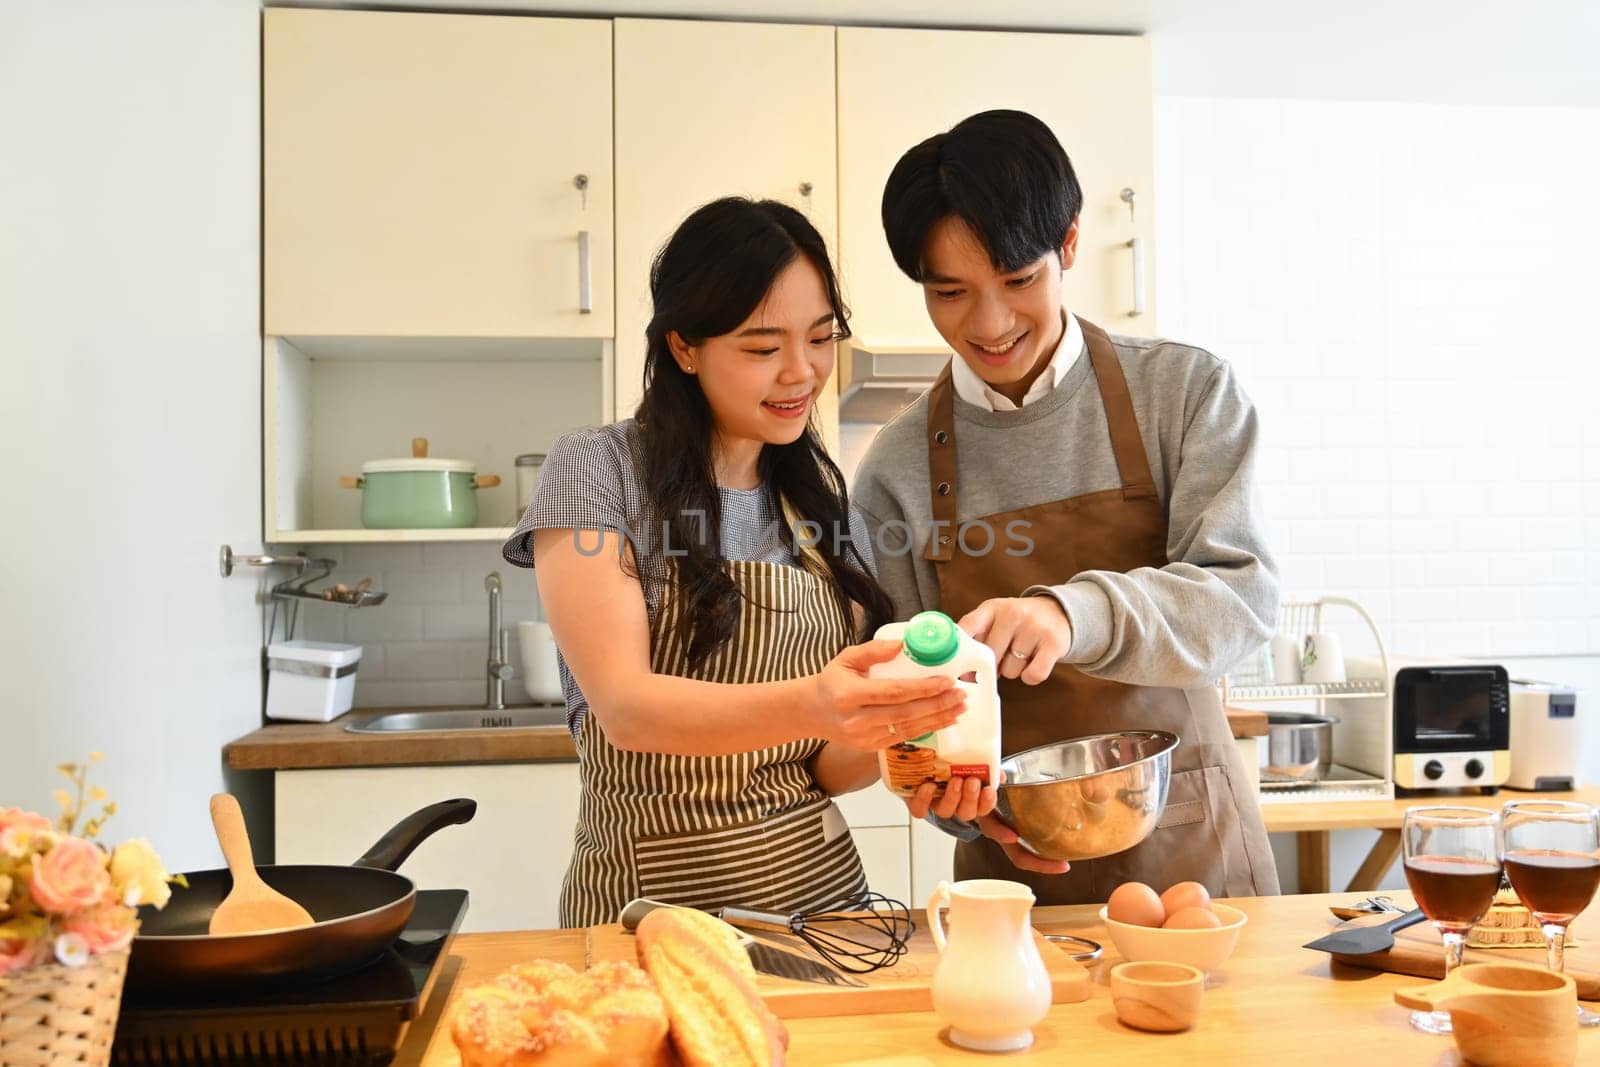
<point x="1202" y="949"/>
<point x="1164" y="997"/>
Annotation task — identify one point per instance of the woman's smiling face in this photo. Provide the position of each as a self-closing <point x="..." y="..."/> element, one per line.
<point x="762" y="378"/>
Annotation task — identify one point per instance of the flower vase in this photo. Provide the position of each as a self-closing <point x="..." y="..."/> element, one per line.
<point x="53" y="1015"/>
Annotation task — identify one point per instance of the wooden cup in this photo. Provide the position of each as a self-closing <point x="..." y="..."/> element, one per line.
<point x="1164" y="997"/>
<point x="1505" y="1015"/>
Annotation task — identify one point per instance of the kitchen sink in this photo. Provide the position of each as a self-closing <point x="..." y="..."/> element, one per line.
<point x="438" y="720"/>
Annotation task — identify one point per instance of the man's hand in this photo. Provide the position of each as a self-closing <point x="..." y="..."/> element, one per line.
<point x="1029" y="634"/>
<point x="1006" y="837"/>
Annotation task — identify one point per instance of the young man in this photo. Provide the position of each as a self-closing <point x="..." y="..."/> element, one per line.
<point x="1081" y="503"/>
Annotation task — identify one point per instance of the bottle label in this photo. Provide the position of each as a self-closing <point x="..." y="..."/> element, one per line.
<point x="910" y="764"/>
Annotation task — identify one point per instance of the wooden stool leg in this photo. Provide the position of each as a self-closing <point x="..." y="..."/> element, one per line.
<point x="1312" y="846"/>
<point x="1384" y="852"/>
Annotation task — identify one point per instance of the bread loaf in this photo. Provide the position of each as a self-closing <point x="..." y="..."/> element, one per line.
<point x="704" y="975"/>
<point x="545" y="1014"/>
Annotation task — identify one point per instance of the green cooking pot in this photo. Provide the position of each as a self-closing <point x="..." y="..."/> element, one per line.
<point x="419" y="493"/>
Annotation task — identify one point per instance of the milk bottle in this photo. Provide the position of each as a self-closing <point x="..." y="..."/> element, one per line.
<point x="932" y="644"/>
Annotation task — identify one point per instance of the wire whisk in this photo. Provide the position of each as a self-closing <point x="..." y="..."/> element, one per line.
<point x="866" y="933"/>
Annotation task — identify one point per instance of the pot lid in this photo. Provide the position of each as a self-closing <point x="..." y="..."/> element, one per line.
<point x="452" y="466"/>
<point x="419" y="461"/>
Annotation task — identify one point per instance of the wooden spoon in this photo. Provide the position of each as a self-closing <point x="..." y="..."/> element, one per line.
<point x="252" y="905"/>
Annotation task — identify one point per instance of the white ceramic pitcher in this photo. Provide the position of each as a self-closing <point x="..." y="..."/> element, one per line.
<point x="991" y="985"/>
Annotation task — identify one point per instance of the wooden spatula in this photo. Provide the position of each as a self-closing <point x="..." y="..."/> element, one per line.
<point x="252" y="905"/>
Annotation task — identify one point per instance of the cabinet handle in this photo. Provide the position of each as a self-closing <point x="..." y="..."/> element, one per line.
<point x="1137" y="245"/>
<point x="585" y="293"/>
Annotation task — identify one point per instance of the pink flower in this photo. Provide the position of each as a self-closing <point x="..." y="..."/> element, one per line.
<point x="16" y="827"/>
<point x="20" y="953"/>
<point x="108" y="928"/>
<point x="70" y="877"/>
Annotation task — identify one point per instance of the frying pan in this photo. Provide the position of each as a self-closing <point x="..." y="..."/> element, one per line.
<point x="358" y="912"/>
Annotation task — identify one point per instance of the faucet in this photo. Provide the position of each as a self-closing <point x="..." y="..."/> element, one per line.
<point x="498" y="667"/>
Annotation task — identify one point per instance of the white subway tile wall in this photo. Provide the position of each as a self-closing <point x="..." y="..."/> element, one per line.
<point x="428" y="643"/>
<point x="1401" y="289"/>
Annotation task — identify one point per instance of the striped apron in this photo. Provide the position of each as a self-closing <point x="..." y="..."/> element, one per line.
<point x="752" y="829"/>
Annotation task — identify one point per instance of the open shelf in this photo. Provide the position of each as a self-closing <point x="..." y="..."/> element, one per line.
<point x="331" y="537"/>
<point x="335" y="403"/>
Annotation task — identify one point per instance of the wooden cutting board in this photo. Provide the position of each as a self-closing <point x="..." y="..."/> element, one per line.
<point x="1418" y="950"/>
<point x="907" y="986"/>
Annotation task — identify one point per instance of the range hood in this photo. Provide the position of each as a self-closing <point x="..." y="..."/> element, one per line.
<point x="878" y="378"/>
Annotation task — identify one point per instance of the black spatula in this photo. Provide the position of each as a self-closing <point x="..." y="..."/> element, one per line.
<point x="1361" y="940"/>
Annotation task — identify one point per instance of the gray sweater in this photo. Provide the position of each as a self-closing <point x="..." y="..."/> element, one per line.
<point x="1182" y="625"/>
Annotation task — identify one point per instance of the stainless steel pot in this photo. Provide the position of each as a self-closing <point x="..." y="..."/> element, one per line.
<point x="1088" y="797"/>
<point x="1299" y="746"/>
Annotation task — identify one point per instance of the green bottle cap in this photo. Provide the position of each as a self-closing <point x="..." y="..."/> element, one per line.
<point x="931" y="638"/>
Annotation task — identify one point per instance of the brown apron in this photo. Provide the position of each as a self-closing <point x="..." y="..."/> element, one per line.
<point x="1211" y="831"/>
<point x="753" y="829"/>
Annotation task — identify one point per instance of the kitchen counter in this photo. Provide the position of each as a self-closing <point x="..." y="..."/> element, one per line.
<point x="303" y="745"/>
<point x="1312" y="821"/>
<point x="298" y="746"/>
<point x="1273" y="1002"/>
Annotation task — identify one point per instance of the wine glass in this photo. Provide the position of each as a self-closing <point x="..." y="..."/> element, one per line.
<point x="1452" y="863"/>
<point x="1553" y="860"/>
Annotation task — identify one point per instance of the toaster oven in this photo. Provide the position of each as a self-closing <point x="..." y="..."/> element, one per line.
<point x="1452" y="727"/>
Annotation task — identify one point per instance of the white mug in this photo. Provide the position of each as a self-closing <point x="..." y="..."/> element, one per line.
<point x="1286" y="653"/>
<point x="1324" y="659"/>
<point x="541" y="676"/>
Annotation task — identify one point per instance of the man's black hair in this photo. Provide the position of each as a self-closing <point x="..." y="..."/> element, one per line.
<point x="1003" y="173"/>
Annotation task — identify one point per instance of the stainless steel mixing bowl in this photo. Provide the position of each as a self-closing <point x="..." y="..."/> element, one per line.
<point x="1299" y="746"/>
<point x="1088" y="797"/>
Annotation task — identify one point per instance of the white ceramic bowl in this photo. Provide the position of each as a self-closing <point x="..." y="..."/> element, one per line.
<point x="1204" y="949"/>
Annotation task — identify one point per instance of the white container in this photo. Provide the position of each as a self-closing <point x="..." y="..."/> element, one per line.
<point x="310" y="681"/>
<point x="990" y="984"/>
<point x="541" y="675"/>
<point x="970" y="747"/>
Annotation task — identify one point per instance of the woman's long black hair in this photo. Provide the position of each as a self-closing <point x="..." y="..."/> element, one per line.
<point x="708" y="278"/>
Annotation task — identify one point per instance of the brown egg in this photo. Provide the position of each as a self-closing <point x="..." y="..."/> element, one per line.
<point x="1192" y="919"/>
<point x="1185" y="895"/>
<point x="1135" y="903"/>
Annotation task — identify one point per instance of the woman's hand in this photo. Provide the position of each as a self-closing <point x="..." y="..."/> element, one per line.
<point x="963" y="798"/>
<point x="1029" y="634"/>
<point x="874" y="713"/>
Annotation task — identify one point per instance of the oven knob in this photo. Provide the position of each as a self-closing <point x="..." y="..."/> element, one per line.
<point x="1433" y="769"/>
<point x="1474" y="768"/>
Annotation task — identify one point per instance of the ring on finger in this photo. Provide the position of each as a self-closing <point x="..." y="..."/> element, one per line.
<point x="1022" y="655"/>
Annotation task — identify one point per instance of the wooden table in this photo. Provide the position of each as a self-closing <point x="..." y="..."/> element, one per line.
<point x="1272" y="1003"/>
<point x="1314" y="821"/>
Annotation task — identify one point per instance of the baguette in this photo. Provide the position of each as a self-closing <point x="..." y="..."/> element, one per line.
<point x="705" y="978"/>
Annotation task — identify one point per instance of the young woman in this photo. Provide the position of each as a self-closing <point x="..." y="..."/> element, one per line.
<point x="705" y="577"/>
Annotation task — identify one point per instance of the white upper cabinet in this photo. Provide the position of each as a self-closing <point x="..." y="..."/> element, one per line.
<point x="419" y="175"/>
<point x="898" y="87"/>
<point x="711" y="109"/>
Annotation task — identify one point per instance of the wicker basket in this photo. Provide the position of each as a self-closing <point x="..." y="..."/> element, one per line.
<point x="55" y="1015"/>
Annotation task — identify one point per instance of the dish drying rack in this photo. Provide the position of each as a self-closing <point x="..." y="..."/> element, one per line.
<point x="1361" y="703"/>
<point x="293" y="590"/>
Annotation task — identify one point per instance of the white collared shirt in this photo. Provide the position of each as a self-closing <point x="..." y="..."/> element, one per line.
<point x="974" y="390"/>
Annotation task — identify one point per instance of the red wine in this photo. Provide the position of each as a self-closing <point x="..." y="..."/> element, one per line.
<point x="1452" y="890"/>
<point x="1553" y="883"/>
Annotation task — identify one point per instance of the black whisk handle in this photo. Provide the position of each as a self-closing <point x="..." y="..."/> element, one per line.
<point x="768" y="921"/>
